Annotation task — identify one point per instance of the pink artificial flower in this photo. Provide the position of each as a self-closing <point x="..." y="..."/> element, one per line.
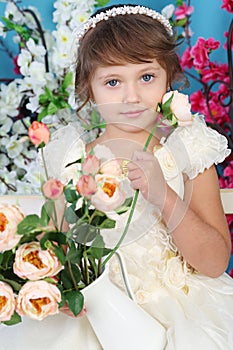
<point x="186" y="59"/>
<point x="198" y="102"/>
<point x="111" y="167"/>
<point x="226" y="36"/>
<point x="34" y="263"/>
<point x="90" y="165"/>
<point x="227" y="5"/>
<point x="214" y="72"/>
<point x="86" y="186"/>
<point x="16" y="66"/>
<point x="180" y="107"/>
<point x="228" y="171"/>
<point x="10" y="217"/>
<point x="38" y="133"/>
<point x="7" y="302"/>
<point x="109" y="194"/>
<point x="200" y="52"/>
<point x="38" y="300"/>
<point x="53" y="188"/>
<point x="183" y="11"/>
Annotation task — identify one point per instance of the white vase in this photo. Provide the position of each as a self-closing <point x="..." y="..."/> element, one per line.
<point x="118" y="321"/>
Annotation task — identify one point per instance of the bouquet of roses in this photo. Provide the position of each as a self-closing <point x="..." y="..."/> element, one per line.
<point x="44" y="265"/>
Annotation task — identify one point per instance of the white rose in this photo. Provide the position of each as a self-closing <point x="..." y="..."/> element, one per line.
<point x="174" y="275"/>
<point x="180" y="107"/>
<point x="167" y="163"/>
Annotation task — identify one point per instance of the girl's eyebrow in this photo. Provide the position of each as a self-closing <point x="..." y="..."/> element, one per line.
<point x="112" y="75"/>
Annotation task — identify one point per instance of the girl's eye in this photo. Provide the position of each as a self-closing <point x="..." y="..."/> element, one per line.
<point x="147" y="77"/>
<point x="112" y="82"/>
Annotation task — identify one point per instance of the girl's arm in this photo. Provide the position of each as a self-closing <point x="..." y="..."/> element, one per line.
<point x="198" y="224"/>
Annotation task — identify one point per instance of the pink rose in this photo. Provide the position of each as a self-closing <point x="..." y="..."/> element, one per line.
<point x="53" y="188"/>
<point x="33" y="263"/>
<point x="38" y="133"/>
<point x="10" y="217"/>
<point x="7" y="302"/>
<point x="109" y="195"/>
<point x="86" y="186"/>
<point x="90" y="165"/>
<point x="38" y="300"/>
<point x="111" y="167"/>
<point x="180" y="107"/>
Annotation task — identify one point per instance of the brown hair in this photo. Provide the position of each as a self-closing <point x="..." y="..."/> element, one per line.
<point x="124" y="39"/>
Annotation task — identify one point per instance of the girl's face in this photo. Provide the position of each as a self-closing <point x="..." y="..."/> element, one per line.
<point x="127" y="95"/>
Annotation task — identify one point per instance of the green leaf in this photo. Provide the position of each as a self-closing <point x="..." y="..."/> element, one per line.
<point x="43" y="99"/>
<point x="58" y="237"/>
<point x="68" y="80"/>
<point x="97" y="247"/>
<point x="42" y="114"/>
<point x="48" y="208"/>
<point x="70" y="215"/>
<point x="15" y="285"/>
<point x="75" y="301"/>
<point x="15" y="318"/>
<point x="66" y="279"/>
<point x="100" y="3"/>
<point x="84" y="233"/>
<point x="125" y="206"/>
<point x="52" y="108"/>
<point x="28" y="224"/>
<point x="181" y="22"/>
<point x="71" y="194"/>
<point x="74" y="254"/>
<point x="45" y="217"/>
<point x="60" y="254"/>
<point x="108" y="223"/>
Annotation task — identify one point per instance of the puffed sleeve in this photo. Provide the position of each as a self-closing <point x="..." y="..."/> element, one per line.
<point x="65" y="147"/>
<point x="196" y="147"/>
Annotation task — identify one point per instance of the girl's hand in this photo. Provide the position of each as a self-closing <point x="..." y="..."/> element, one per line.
<point x="65" y="309"/>
<point x="146" y="175"/>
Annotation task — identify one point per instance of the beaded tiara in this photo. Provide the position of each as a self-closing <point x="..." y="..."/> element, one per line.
<point x="124" y="10"/>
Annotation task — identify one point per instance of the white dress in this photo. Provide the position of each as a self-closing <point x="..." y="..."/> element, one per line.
<point x="197" y="311"/>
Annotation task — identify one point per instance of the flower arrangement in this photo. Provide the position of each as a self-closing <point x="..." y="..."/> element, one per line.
<point x="44" y="265"/>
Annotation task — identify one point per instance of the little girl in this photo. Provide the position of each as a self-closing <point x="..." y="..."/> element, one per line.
<point x="126" y="63"/>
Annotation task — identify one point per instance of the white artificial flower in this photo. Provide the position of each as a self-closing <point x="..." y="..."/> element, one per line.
<point x="4" y="160"/>
<point x="35" y="173"/>
<point x="2" y="32"/>
<point x="168" y="11"/>
<point x="35" y="49"/>
<point x="33" y="104"/>
<point x="18" y="127"/>
<point x="37" y="74"/>
<point x="5" y="128"/>
<point x="6" y="177"/>
<point x="12" y="11"/>
<point x="62" y="13"/>
<point x="24" y="60"/>
<point x="9" y="99"/>
<point x="174" y="275"/>
<point x="13" y="147"/>
<point x="78" y="18"/>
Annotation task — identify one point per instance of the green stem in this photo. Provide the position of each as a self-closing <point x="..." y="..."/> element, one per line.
<point x="44" y="163"/>
<point x="133" y="203"/>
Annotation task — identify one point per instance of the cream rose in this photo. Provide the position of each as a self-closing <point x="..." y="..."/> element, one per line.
<point x="38" y="300"/>
<point x="167" y="163"/>
<point x="33" y="263"/>
<point x="174" y="275"/>
<point x="180" y="107"/>
<point x="111" y="167"/>
<point x="109" y="194"/>
<point x="7" y="302"/>
<point x="10" y="217"/>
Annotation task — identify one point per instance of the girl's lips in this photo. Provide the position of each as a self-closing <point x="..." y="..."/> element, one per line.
<point x="133" y="114"/>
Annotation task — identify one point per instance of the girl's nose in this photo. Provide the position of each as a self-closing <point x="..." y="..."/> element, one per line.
<point x="131" y="94"/>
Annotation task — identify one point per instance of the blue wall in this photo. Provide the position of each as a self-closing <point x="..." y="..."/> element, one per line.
<point x="207" y="21"/>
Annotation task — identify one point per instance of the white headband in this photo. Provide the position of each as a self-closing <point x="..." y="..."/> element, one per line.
<point x="129" y="10"/>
